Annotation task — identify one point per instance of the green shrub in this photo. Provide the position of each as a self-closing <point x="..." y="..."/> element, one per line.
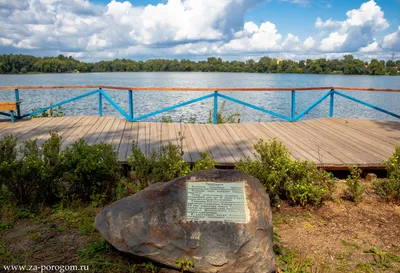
<point x="8" y="154"/>
<point x="389" y="188"/>
<point x="205" y="163"/>
<point x="92" y="171"/>
<point x="393" y="165"/>
<point x="299" y="182"/>
<point x="164" y="165"/>
<point x="158" y="167"/>
<point x="355" y="188"/>
<point x="32" y="177"/>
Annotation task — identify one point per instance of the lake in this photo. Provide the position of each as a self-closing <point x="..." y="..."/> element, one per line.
<point x="145" y="101"/>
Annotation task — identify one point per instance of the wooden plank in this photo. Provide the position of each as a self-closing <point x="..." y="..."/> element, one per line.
<point x="269" y="131"/>
<point x="95" y="131"/>
<point x="38" y="129"/>
<point x="133" y="137"/>
<point x="212" y="146"/>
<point x="38" y="87"/>
<point x="154" y="138"/>
<point x="329" y="152"/>
<point x="24" y="127"/>
<point x="180" y="131"/>
<point x="79" y="131"/>
<point x="55" y="126"/>
<point x="328" y="143"/>
<point x="105" y="130"/>
<point x="125" y="141"/>
<point x="116" y="142"/>
<point x="113" y="130"/>
<point x="242" y="144"/>
<point x="70" y="128"/>
<point x="296" y="136"/>
<point x="340" y="144"/>
<point x="373" y="144"/>
<point x="190" y="144"/>
<point x="219" y="142"/>
<point x="229" y="143"/>
<point x="8" y="106"/>
<point x="351" y="142"/>
<point x="389" y="134"/>
<point x="198" y="139"/>
<point x="142" y="137"/>
<point x="164" y="134"/>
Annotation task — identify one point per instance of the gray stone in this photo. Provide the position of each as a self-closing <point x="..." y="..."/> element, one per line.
<point x="153" y="224"/>
<point x="370" y="177"/>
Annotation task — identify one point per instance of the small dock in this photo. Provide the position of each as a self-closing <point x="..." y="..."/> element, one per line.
<point x="332" y="143"/>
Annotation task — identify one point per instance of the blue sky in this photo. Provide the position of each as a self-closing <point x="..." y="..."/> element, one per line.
<point x="93" y="30"/>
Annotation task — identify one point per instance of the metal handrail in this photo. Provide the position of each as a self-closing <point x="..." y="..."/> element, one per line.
<point x="333" y="90"/>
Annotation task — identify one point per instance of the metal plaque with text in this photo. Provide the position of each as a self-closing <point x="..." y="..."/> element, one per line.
<point x="216" y="201"/>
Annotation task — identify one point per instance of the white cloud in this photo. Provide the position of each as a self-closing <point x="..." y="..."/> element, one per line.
<point x="392" y="41"/>
<point x="356" y="31"/>
<point x="334" y="41"/>
<point x="309" y="43"/>
<point x="180" y="28"/>
<point x="372" y="47"/>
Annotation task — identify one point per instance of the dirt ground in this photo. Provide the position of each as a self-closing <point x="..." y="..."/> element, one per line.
<point x="338" y="236"/>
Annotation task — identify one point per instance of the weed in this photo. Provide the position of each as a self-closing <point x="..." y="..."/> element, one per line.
<point x="382" y="258"/>
<point x="81" y="217"/>
<point x="365" y="267"/>
<point x="53" y="112"/>
<point x="167" y="119"/>
<point x="389" y="188"/>
<point x="96" y="257"/>
<point x="184" y="265"/>
<point x="222" y="117"/>
<point x="355" y="188"/>
<point x="149" y="267"/>
<point x="5" y="226"/>
<point x="350" y="244"/>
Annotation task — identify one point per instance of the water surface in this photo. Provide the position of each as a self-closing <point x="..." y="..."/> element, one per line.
<point x="146" y="101"/>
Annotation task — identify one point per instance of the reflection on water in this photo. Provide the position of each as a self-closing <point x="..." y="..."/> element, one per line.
<point x="146" y="101"/>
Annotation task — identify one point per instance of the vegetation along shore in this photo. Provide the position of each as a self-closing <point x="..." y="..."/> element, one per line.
<point x="15" y="64"/>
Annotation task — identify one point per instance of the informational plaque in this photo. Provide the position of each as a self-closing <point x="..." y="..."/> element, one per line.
<point x="216" y="201"/>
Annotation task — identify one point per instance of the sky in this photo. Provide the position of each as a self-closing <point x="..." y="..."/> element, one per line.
<point x="94" y="30"/>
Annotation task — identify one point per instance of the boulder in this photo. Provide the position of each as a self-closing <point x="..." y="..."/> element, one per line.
<point x="202" y="217"/>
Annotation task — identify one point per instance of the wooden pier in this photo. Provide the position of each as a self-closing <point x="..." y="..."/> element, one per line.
<point x="332" y="143"/>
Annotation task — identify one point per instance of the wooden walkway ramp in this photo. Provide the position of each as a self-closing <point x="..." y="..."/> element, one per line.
<point x="332" y="143"/>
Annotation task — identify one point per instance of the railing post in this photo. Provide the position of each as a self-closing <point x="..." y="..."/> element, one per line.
<point x="100" y="103"/>
<point x="293" y="113"/>
<point x="215" y="106"/>
<point x="12" y="116"/>
<point x="130" y="93"/>
<point x="331" y="103"/>
<point x="17" y="101"/>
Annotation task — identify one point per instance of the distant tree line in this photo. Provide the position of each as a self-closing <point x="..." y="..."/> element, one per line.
<point x="14" y="64"/>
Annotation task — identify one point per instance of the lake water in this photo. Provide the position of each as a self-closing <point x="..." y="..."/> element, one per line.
<point x="145" y="101"/>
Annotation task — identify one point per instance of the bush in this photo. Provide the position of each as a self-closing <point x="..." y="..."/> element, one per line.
<point x="355" y="188"/>
<point x="92" y="172"/>
<point x="205" y="163"/>
<point x="299" y="182"/>
<point x="32" y="177"/>
<point x="8" y="154"/>
<point x="165" y="165"/>
<point x="389" y="188"/>
<point x="222" y="117"/>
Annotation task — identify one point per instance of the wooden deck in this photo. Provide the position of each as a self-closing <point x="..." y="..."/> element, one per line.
<point x="333" y="143"/>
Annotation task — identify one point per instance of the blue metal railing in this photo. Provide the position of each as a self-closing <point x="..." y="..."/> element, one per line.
<point x="215" y="95"/>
